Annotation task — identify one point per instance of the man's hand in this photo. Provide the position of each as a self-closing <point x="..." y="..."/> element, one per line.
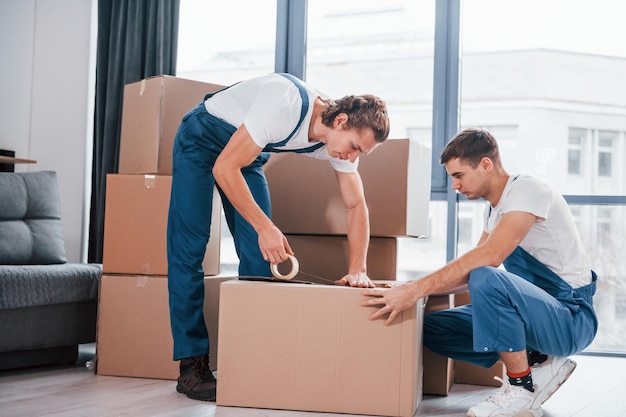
<point x="357" y="279"/>
<point x="393" y="301"/>
<point x="273" y="244"/>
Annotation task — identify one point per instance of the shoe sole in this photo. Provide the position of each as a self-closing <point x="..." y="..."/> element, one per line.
<point x="197" y="397"/>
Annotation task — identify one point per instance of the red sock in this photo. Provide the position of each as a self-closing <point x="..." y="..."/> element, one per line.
<point x="523" y="379"/>
<point x="519" y="374"/>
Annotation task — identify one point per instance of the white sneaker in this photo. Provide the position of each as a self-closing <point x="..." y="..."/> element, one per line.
<point x="509" y="401"/>
<point x="550" y="375"/>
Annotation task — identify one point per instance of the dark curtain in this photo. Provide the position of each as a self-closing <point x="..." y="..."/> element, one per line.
<point x="136" y="39"/>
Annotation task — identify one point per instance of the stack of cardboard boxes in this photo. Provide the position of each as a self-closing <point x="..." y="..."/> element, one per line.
<point x="307" y="207"/>
<point x="134" y="336"/>
<point x="291" y="346"/>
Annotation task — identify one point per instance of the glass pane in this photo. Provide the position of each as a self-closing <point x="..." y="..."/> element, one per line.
<point x="604" y="164"/>
<point x="212" y="47"/>
<point x="602" y="229"/>
<point x="418" y="257"/>
<point x="382" y="48"/>
<point x="560" y="82"/>
<point x="386" y="49"/>
<point x="470" y="224"/>
<point x="225" y="42"/>
<point x="564" y="72"/>
<point x="573" y="162"/>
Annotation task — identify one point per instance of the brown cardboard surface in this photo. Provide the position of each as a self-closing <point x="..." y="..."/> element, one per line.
<point x="462" y="298"/>
<point x="438" y="369"/>
<point x="134" y="335"/>
<point x="211" y="314"/>
<point x="396" y="180"/>
<point x="135" y="226"/>
<point x="468" y="373"/>
<point x="328" y="257"/>
<point x="152" y="111"/>
<point x="312" y="348"/>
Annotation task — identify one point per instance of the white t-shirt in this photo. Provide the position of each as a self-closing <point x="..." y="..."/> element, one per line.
<point x="553" y="240"/>
<point x="270" y="107"/>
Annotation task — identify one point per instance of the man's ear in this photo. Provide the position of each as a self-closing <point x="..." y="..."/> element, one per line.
<point x="486" y="163"/>
<point x="340" y="120"/>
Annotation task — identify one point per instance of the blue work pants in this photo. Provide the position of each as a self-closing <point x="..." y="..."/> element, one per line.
<point x="524" y="307"/>
<point x="200" y="139"/>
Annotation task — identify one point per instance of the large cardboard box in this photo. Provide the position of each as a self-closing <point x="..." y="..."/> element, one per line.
<point x="312" y="348"/>
<point x="134" y="337"/>
<point x="152" y="111"/>
<point x="135" y="226"/>
<point x="396" y="180"/>
<point x="324" y="258"/>
<point x="438" y="369"/>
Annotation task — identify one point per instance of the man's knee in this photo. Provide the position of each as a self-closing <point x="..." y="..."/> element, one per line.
<point x="483" y="280"/>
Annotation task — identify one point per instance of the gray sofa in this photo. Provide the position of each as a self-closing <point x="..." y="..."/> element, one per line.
<point x="47" y="306"/>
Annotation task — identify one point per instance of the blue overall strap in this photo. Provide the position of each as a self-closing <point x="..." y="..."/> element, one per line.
<point x="305" y="107"/>
<point x="526" y="266"/>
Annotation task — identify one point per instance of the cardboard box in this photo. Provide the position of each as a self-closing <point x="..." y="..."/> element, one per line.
<point x="211" y="310"/>
<point x="134" y="334"/>
<point x="438" y="369"/>
<point x="396" y="180"/>
<point x="323" y="258"/>
<point x="469" y="373"/>
<point x="135" y="226"/>
<point x="152" y="111"/>
<point x="312" y="348"/>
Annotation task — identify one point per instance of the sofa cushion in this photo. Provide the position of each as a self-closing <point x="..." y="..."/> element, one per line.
<point x="31" y="231"/>
<point x="40" y="285"/>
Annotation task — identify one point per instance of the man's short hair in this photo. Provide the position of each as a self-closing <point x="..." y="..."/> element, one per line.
<point x="471" y="145"/>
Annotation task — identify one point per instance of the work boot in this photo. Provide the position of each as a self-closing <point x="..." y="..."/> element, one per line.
<point x="196" y="379"/>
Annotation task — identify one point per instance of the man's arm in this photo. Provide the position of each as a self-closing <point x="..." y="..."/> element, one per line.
<point x="351" y="189"/>
<point x="241" y="151"/>
<point x="492" y="250"/>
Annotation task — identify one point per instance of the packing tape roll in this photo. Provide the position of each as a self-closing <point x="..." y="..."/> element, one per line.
<point x="295" y="267"/>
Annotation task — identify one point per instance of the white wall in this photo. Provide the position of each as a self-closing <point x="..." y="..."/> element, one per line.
<point x="46" y="98"/>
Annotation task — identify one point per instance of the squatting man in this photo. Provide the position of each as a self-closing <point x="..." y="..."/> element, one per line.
<point x="532" y="314"/>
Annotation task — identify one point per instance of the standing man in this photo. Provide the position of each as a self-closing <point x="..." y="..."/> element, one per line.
<point x="542" y="302"/>
<point x="224" y="141"/>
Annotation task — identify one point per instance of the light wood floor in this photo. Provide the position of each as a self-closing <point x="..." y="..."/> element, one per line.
<point x="596" y="389"/>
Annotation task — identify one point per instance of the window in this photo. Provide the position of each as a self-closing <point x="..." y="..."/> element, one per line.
<point x="225" y="42"/>
<point x="575" y="151"/>
<point x="605" y="153"/>
<point x="604" y="225"/>
<point x="382" y="48"/>
<point x="562" y="88"/>
<point x="542" y="83"/>
<point x="212" y="47"/>
<point x="552" y="96"/>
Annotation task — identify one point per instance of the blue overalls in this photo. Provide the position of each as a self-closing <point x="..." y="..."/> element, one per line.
<point x="525" y="307"/>
<point x="200" y="139"/>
